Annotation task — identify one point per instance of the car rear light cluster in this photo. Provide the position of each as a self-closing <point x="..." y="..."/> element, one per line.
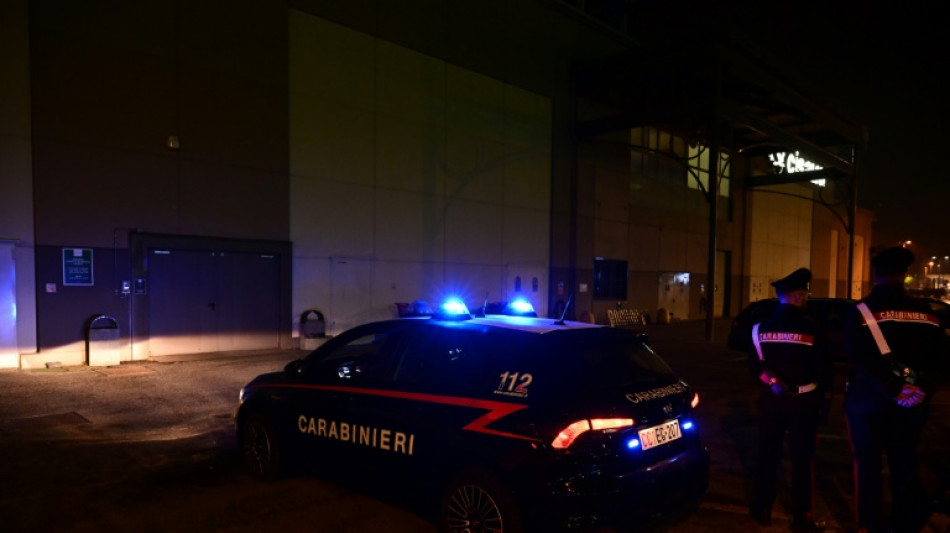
<point x="568" y="435"/>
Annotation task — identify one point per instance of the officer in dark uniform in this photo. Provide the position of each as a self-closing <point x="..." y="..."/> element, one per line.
<point x="791" y="358"/>
<point x="895" y="345"/>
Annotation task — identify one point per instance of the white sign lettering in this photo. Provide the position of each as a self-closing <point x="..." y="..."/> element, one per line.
<point x="792" y="163"/>
<point x="382" y="438"/>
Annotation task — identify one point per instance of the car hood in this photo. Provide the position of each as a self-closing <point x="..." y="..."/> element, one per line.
<point x="271" y="378"/>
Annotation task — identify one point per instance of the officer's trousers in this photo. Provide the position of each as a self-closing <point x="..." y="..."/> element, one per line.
<point x="894" y="432"/>
<point x="797" y="418"/>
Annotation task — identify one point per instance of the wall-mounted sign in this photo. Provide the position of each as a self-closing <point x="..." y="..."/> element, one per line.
<point x="77" y="267"/>
<point x="785" y="163"/>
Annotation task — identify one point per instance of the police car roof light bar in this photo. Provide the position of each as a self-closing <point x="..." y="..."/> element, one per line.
<point x="521" y="307"/>
<point x="453" y="309"/>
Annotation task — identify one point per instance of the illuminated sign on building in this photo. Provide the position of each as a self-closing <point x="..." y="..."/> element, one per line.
<point x="792" y="163"/>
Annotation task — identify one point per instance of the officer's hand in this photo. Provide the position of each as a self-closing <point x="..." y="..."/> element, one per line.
<point x="773" y="382"/>
<point x="910" y="395"/>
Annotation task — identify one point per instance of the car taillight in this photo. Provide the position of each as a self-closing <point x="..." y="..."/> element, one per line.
<point x="695" y="401"/>
<point x="568" y="435"/>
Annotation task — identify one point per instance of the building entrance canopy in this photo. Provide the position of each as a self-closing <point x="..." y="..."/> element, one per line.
<point x="732" y="97"/>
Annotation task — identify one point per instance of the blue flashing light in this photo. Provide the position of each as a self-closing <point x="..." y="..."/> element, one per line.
<point x="687" y="425"/>
<point x="454" y="309"/>
<point x="521" y="307"/>
<point x="633" y="444"/>
<point x="418" y="308"/>
<point x="454" y="306"/>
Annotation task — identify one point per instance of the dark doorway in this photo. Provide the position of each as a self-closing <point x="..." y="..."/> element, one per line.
<point x="208" y="301"/>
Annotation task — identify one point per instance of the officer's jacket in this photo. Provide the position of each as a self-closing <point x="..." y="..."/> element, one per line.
<point x="795" y="348"/>
<point x="912" y="332"/>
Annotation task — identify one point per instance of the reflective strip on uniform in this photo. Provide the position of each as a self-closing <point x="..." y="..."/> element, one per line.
<point x="787" y="337"/>
<point x="875" y="328"/>
<point x="755" y="341"/>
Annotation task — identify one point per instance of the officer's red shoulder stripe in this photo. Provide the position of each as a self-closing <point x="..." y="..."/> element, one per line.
<point x="789" y="337"/>
<point x="496" y="410"/>
<point x="898" y="315"/>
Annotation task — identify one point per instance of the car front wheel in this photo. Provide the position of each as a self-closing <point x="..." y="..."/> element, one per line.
<point x="475" y="502"/>
<point x="259" y="451"/>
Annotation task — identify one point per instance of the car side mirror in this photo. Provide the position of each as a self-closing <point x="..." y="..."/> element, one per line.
<point x="294" y="367"/>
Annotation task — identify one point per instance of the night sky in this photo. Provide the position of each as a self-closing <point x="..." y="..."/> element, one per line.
<point x="884" y="66"/>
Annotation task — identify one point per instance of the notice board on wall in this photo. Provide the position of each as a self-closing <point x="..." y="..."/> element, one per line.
<point x="77" y="267"/>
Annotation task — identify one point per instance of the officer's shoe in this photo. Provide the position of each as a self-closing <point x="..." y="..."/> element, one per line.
<point x="761" y="515"/>
<point x="806" y="524"/>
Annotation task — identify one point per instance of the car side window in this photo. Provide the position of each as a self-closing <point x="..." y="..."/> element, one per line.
<point x="940" y="309"/>
<point x="445" y="362"/>
<point x="365" y="359"/>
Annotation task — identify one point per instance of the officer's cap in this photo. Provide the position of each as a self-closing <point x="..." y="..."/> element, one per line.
<point x="796" y="281"/>
<point x="892" y="261"/>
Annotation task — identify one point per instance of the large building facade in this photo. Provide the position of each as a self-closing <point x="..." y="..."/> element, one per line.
<point x="210" y="175"/>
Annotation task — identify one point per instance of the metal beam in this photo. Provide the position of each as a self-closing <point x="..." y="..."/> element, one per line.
<point x="625" y="121"/>
<point x="781" y="179"/>
<point x="715" y="137"/>
<point x="815" y="153"/>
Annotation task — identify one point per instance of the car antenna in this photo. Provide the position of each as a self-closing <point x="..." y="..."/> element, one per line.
<point x="566" y="307"/>
<point x="485" y="304"/>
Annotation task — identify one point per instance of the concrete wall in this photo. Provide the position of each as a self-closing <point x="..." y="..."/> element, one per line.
<point x="410" y="177"/>
<point x="164" y="118"/>
<point x="779" y="236"/>
<point x="16" y="177"/>
<point x="113" y="82"/>
<point x="639" y="208"/>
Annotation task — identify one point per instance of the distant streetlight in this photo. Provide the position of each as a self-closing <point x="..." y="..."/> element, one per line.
<point x="905" y="244"/>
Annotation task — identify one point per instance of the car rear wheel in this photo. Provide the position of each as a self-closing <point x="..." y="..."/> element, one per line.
<point x="259" y="451"/>
<point x="476" y="502"/>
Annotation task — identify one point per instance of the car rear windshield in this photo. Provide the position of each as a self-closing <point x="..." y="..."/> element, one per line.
<point x="623" y="360"/>
<point x="610" y="360"/>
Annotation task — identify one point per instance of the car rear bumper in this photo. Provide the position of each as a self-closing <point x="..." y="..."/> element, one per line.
<point x="635" y="498"/>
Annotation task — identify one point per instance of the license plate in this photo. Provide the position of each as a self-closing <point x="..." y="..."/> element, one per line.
<point x="659" y="435"/>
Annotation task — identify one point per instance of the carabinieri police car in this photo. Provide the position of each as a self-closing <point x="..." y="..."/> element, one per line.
<point x="519" y="423"/>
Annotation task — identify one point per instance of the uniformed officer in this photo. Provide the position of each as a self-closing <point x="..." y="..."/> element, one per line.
<point x="895" y="344"/>
<point x="791" y="358"/>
